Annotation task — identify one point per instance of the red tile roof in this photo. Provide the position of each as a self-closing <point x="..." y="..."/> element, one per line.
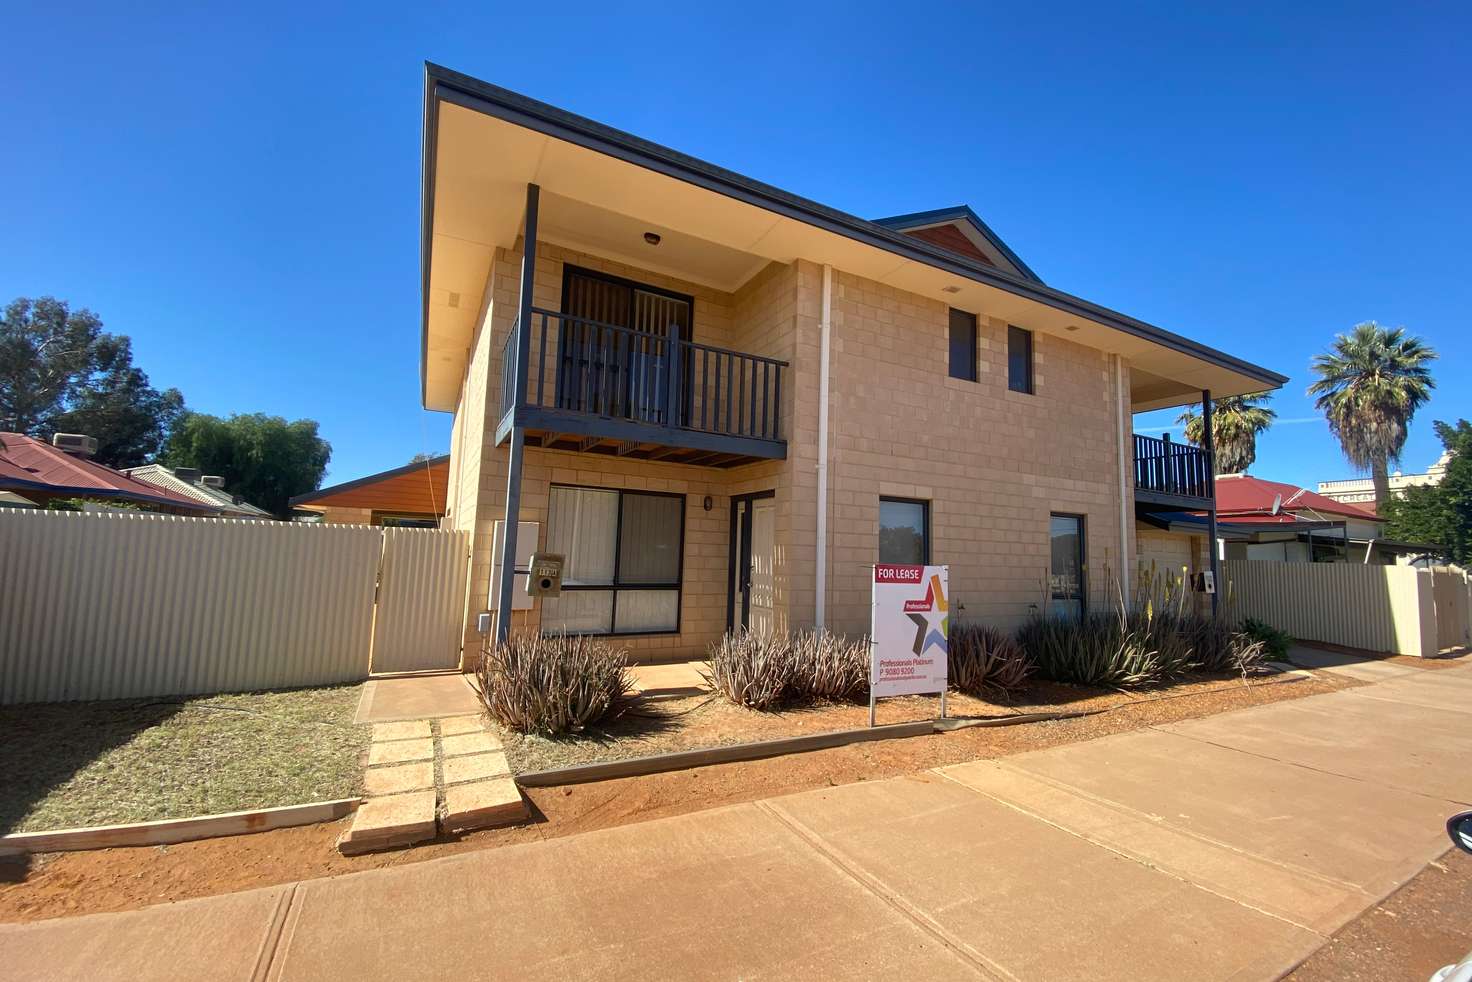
<point x="1243" y="494"/>
<point x="29" y="465"/>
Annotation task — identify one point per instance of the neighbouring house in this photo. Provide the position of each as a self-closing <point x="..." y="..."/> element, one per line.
<point x="1361" y="490"/>
<point x="207" y="489"/>
<point x="41" y="473"/>
<point x="723" y="403"/>
<point x="412" y="496"/>
<point x="1270" y="520"/>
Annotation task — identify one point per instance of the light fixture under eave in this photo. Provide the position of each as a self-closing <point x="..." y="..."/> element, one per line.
<point x="1070" y="327"/>
<point x="652" y="238"/>
<point x="950" y="289"/>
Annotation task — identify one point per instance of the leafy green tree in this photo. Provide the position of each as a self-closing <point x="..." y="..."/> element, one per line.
<point x="1440" y="514"/>
<point x="264" y="459"/>
<point x="1371" y="382"/>
<point x="1236" y="422"/>
<point x="60" y="372"/>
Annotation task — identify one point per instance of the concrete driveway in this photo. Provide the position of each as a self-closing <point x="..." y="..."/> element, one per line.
<point x="1222" y="848"/>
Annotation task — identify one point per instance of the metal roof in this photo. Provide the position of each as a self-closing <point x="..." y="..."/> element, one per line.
<point x="31" y="465"/>
<point x="163" y="477"/>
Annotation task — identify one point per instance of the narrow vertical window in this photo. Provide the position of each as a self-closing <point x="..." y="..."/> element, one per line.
<point x="1066" y="584"/>
<point x="963" y="345"/>
<point x="904" y="532"/>
<point x="1019" y="359"/>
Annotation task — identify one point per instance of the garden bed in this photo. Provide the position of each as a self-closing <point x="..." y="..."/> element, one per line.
<point x="706" y="721"/>
<point x="125" y="879"/>
<point x="74" y="765"/>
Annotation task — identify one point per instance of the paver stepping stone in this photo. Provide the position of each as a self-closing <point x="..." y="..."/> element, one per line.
<point x="475" y="767"/>
<point x="393" y="820"/>
<point x="399" y="778"/>
<point x="456" y="725"/>
<point x="483" y="804"/>
<point x="400" y="751"/>
<point x="470" y="743"/>
<point x="416" y="729"/>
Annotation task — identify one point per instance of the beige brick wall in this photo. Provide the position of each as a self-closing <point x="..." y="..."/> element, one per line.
<point x="993" y="463"/>
<point x="334" y="515"/>
<point x="1169" y="554"/>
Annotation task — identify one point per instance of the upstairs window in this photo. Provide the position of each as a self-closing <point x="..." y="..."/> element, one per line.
<point x="963" y="345"/>
<point x="1019" y="359"/>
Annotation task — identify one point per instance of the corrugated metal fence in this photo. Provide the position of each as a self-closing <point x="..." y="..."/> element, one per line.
<point x="421" y="600"/>
<point x="1378" y="608"/>
<point x="118" y="605"/>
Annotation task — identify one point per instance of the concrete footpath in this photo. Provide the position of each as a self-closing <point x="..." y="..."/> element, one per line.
<point x="1222" y="848"/>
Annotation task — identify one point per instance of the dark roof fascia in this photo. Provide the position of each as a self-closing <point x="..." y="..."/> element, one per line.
<point x="939" y="216"/>
<point x="471" y="93"/>
<point x="310" y="496"/>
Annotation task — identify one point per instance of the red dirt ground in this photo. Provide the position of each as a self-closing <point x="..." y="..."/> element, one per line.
<point x="62" y="884"/>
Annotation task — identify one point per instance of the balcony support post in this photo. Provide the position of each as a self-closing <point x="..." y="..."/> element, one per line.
<point x="521" y="351"/>
<point x="1208" y="443"/>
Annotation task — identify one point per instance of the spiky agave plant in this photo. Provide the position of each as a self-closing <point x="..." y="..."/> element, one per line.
<point x="983" y="660"/>
<point x="553" y="683"/>
<point x="755" y="670"/>
<point x="830" y="666"/>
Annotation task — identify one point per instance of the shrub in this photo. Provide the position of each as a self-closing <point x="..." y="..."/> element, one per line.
<point x="1096" y="649"/>
<point x="1275" y="642"/>
<point x="764" y="671"/>
<point x="983" y="659"/>
<point x="829" y="666"/>
<point x="552" y="683"/>
<point x="752" y="670"/>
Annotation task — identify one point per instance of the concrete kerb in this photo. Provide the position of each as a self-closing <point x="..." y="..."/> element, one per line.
<point x="172" y="830"/>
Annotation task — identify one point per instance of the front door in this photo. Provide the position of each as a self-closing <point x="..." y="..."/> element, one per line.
<point x="754" y="545"/>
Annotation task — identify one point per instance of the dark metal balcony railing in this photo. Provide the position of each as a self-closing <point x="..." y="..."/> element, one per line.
<point x="590" y="368"/>
<point x="1165" y="467"/>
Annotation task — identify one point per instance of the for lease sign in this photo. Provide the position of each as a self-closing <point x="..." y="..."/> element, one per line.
<point x="910" y="630"/>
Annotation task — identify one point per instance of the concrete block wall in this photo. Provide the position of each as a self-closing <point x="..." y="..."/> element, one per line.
<point x="992" y="463"/>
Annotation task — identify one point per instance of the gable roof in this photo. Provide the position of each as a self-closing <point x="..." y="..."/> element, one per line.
<point x="1243" y="494"/>
<point x="31" y="465"/>
<point x="960" y="229"/>
<point x="483" y="145"/>
<point x="161" y="476"/>
<point x="418" y="489"/>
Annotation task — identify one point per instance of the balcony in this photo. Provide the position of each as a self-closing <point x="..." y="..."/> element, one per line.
<point x="1174" y="475"/>
<point x="601" y="388"/>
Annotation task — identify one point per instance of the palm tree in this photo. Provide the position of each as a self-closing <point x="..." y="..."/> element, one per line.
<point x="1236" y="422"/>
<point x="1371" y="382"/>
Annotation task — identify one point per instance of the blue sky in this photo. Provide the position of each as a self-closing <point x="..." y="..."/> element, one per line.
<point x="237" y="190"/>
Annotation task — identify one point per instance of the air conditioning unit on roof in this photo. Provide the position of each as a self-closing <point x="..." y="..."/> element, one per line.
<point x="76" y="444"/>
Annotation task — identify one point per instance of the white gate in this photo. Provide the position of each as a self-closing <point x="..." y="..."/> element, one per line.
<point x="421" y="600"/>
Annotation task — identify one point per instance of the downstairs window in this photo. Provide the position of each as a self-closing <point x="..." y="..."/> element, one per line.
<point x="623" y="553"/>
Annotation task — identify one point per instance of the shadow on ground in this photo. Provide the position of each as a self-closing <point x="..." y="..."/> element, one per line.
<point x="42" y="746"/>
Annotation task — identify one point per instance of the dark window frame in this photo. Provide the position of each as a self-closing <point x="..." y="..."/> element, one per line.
<point x="569" y="270"/>
<point x="972" y="374"/>
<point x="678" y="586"/>
<point x="1083" y="557"/>
<point x="736" y="548"/>
<point x="1025" y="386"/>
<point x="924" y="504"/>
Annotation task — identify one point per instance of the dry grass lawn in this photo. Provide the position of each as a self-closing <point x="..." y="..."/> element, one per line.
<point x="68" y="765"/>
